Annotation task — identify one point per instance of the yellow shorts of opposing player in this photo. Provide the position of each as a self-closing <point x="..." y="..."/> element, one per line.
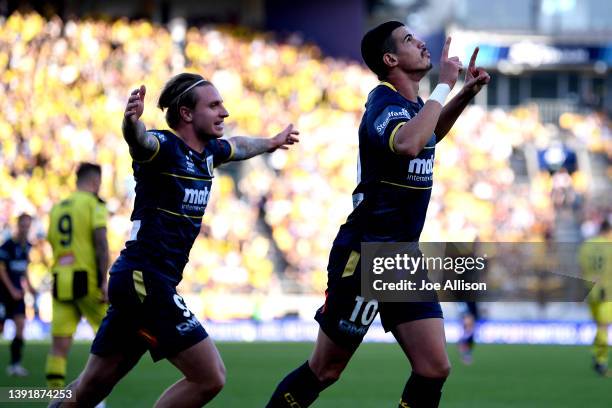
<point x="601" y="312"/>
<point x="68" y="314"/>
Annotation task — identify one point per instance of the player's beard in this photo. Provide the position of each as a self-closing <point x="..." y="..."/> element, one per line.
<point x="418" y="73"/>
<point x="423" y="70"/>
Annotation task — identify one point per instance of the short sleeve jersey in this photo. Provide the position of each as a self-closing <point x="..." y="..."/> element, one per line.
<point x="595" y="259"/>
<point x="71" y="232"/>
<point x="172" y="192"/>
<point x="15" y="258"/>
<point x="393" y="191"/>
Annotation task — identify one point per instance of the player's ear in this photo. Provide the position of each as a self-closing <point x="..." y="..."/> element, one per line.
<point x="186" y="114"/>
<point x="390" y="59"/>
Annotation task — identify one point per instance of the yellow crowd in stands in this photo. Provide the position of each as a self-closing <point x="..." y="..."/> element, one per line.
<point x="64" y="88"/>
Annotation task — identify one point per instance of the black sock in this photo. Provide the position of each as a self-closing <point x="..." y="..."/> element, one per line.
<point x="16" y="347"/>
<point x="298" y="389"/>
<point x="422" y="392"/>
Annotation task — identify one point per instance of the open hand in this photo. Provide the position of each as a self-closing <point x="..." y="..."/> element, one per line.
<point x="135" y="105"/>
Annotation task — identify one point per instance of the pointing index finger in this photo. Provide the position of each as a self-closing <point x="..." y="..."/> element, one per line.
<point x="473" y="58"/>
<point x="446" y="47"/>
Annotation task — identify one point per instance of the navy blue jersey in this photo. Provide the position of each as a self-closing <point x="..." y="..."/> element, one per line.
<point x="393" y="191"/>
<point x="172" y="191"/>
<point x="16" y="258"/>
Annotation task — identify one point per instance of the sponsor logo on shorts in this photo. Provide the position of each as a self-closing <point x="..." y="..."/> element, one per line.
<point x="291" y="401"/>
<point x="352" y="329"/>
<point x="187" y="326"/>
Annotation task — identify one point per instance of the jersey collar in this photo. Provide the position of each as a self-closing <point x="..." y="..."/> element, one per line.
<point x="385" y="83"/>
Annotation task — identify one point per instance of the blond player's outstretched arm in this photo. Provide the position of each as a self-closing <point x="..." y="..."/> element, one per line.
<point x="142" y="145"/>
<point x="247" y="147"/>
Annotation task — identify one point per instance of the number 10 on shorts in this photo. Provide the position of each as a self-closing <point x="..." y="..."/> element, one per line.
<point x="369" y="310"/>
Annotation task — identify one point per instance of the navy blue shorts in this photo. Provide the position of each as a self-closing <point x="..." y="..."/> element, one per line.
<point x="346" y="316"/>
<point x="10" y="307"/>
<point x="145" y="313"/>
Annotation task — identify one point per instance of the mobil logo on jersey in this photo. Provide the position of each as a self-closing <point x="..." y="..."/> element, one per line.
<point x="421" y="166"/>
<point x="196" y="199"/>
<point x="420" y="169"/>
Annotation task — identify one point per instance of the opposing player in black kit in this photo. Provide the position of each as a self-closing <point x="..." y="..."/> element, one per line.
<point x="397" y="139"/>
<point x="174" y="173"/>
<point x="14" y="259"/>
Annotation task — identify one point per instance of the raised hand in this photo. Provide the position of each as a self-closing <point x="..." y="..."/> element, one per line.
<point x="449" y="67"/>
<point x="475" y="77"/>
<point x="135" y="105"/>
<point x="284" y="139"/>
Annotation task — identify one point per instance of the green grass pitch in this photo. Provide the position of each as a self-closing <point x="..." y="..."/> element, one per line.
<point x="501" y="376"/>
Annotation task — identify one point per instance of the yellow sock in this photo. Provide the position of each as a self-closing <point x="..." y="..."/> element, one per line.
<point x="56" y="371"/>
<point x="600" y="345"/>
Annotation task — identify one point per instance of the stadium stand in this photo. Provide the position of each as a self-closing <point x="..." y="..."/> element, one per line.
<point x="64" y="85"/>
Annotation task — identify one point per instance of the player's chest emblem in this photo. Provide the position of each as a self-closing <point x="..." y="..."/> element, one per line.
<point x="209" y="165"/>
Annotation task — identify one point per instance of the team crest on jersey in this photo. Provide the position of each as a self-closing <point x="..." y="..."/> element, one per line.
<point x="209" y="165"/>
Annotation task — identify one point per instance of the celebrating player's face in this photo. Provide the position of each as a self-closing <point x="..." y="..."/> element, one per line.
<point x="209" y="113"/>
<point x="412" y="54"/>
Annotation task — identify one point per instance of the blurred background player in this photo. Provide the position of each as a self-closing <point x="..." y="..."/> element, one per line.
<point x="14" y="259"/>
<point x="595" y="257"/>
<point x="173" y="172"/>
<point x="77" y="234"/>
<point x="397" y="139"/>
<point x="466" y="301"/>
<point x="469" y="317"/>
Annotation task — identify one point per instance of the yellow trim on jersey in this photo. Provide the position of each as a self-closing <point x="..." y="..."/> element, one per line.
<point x="385" y="83"/>
<point x="186" y="177"/>
<point x="179" y="215"/>
<point x="402" y="185"/>
<point x="232" y="150"/>
<point x="139" y="285"/>
<point x="392" y="137"/>
<point x="351" y="264"/>
<point x="152" y="157"/>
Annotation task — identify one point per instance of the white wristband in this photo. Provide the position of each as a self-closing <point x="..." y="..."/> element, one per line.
<point x="440" y="93"/>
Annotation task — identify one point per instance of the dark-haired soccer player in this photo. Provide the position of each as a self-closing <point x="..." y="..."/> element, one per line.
<point x="397" y="140"/>
<point x="14" y="259"/>
<point x="77" y="234"/>
<point x="174" y="174"/>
